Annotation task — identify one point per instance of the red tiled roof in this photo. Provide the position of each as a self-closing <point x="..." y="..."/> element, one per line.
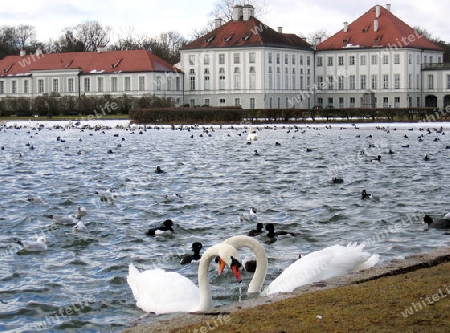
<point x="392" y="32"/>
<point x="87" y="62"/>
<point x="247" y="34"/>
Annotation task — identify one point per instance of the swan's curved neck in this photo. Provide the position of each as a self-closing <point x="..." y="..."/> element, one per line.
<point x="225" y="251"/>
<point x="262" y="264"/>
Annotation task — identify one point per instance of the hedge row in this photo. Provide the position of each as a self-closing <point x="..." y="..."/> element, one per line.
<point x="209" y="115"/>
<point x="53" y="104"/>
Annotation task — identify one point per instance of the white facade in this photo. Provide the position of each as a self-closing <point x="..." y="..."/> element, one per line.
<point x="253" y="77"/>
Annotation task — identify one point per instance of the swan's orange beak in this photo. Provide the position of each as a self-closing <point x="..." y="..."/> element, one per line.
<point x="221" y="265"/>
<point x="235" y="267"/>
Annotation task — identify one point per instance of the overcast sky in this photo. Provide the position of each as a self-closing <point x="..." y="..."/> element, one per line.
<point x="151" y="17"/>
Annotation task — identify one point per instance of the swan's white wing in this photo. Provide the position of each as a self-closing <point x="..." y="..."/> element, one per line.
<point x="162" y="292"/>
<point x="321" y="265"/>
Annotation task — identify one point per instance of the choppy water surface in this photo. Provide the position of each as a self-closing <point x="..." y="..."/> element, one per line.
<point x="79" y="283"/>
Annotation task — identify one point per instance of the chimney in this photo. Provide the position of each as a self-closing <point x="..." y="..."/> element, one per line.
<point x="388" y="7"/>
<point x="375" y="25"/>
<point x="23" y="52"/>
<point x="345" y="26"/>
<point x="217" y="23"/>
<point x="377" y="11"/>
<point x="248" y="11"/>
<point x="318" y="40"/>
<point x="280" y="30"/>
<point x="38" y="52"/>
<point x="237" y="13"/>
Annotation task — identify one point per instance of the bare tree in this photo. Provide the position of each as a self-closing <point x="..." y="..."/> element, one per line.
<point x="25" y="36"/>
<point x="65" y="43"/>
<point x="224" y="8"/>
<point x="92" y="34"/>
<point x="317" y="37"/>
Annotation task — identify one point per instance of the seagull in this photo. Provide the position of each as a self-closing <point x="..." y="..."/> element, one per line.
<point x="63" y="219"/>
<point x="80" y="227"/>
<point x="36" y="246"/>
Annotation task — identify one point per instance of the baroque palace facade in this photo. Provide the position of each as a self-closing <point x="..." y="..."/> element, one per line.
<point x="375" y="61"/>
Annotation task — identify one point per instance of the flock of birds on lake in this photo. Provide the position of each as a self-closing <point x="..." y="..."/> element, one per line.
<point x="160" y="291"/>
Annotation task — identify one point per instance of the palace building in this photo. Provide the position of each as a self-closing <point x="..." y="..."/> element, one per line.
<point x="376" y="61"/>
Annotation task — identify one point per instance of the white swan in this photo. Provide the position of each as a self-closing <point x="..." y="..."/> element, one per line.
<point x="319" y="265"/>
<point x="252" y="136"/>
<point x="163" y="292"/>
<point x="262" y="263"/>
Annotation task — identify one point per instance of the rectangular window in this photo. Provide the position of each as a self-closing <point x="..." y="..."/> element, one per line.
<point x="237" y="102"/>
<point x="341" y="82"/>
<point x="418" y="81"/>
<point x="278" y="58"/>
<point x="158" y="83"/>
<point x="236" y="58"/>
<point x="178" y="83"/>
<point x="114" y="84"/>
<point x="87" y="84"/>
<point x="192" y="102"/>
<point x="252" y="103"/>
<point x="70" y="85"/>
<point x="352" y="82"/>
<point x="252" y="81"/>
<point x="374" y="82"/>
<point x="330" y="61"/>
<point x="55" y="85"/>
<point x="352" y="102"/>
<point x="221" y="59"/>
<point x="385" y="102"/>
<point x="374" y="59"/>
<point x="308" y="60"/>
<point x="396" y="102"/>
<point x="385" y="59"/>
<point x="319" y="82"/>
<point x="222" y="101"/>
<point x="301" y="82"/>
<point x="396" y="81"/>
<point x="301" y="60"/>
<point x="192" y="83"/>
<point x="362" y="60"/>
<point x="207" y="85"/>
<point x="351" y="60"/>
<point x="141" y="83"/>
<point x="286" y="59"/>
<point x="222" y="82"/>
<point x="169" y="84"/>
<point x="448" y="81"/>
<point x="14" y="87"/>
<point x="397" y="59"/>
<point x="237" y="81"/>
<point x="207" y="101"/>
<point x="341" y="61"/>
<point x="206" y="59"/>
<point x="270" y="57"/>
<point x="40" y="86"/>
<point x="25" y="87"/>
<point x="100" y="84"/>
<point x="128" y="83"/>
<point x="341" y="102"/>
<point x="320" y="101"/>
<point x="410" y="59"/>
<point x="363" y="81"/>
<point x="410" y="83"/>
<point x="330" y="83"/>
<point x="385" y="81"/>
<point x="252" y="57"/>
<point x="192" y="60"/>
<point x="430" y="82"/>
<point x="293" y="59"/>
<point x="2" y="87"/>
<point x="319" y="62"/>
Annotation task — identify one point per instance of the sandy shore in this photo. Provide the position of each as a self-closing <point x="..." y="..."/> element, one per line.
<point x="403" y="296"/>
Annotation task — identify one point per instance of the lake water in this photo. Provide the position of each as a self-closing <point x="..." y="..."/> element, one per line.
<point x="79" y="283"/>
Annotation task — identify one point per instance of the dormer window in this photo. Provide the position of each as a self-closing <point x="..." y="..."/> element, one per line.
<point x="378" y="39"/>
<point x="246" y="37"/>
<point x="210" y="39"/>
<point x="228" y="38"/>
